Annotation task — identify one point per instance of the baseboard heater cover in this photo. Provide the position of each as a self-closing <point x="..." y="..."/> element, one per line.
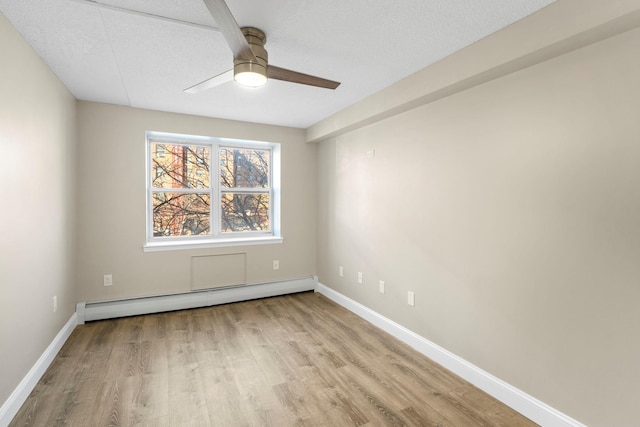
<point x="89" y="311"/>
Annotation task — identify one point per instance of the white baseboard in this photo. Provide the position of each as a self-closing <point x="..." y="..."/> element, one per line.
<point x="527" y="405"/>
<point x="537" y="411"/>
<point x="157" y="304"/>
<point x="12" y="405"/>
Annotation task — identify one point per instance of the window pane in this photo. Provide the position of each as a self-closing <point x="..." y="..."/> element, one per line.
<point x="245" y="212"/>
<point x="244" y="168"/>
<point x="176" y="214"/>
<point x="180" y="166"/>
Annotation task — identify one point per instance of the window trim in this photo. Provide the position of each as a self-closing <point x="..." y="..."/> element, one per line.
<point x="216" y="238"/>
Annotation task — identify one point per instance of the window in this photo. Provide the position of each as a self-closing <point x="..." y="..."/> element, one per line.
<point x="205" y="191"/>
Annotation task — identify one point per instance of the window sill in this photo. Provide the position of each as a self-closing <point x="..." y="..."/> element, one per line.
<point x="217" y="243"/>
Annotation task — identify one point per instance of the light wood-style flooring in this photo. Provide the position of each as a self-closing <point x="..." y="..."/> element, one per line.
<point x="291" y="360"/>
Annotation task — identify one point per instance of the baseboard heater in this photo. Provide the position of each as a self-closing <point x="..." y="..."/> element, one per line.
<point x="88" y="311"/>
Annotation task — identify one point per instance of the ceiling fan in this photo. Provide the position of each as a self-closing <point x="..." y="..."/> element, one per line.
<point x="250" y="60"/>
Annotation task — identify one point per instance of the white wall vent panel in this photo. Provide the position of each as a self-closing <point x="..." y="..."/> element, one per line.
<point x="218" y="271"/>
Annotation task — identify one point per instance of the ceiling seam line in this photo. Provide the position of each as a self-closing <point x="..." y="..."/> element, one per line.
<point x="146" y="15"/>
<point x="115" y="59"/>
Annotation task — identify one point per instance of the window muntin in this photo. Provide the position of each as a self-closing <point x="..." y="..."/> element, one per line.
<point x="202" y="188"/>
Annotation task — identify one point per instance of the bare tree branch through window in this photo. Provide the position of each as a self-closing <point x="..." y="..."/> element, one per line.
<point x="185" y="196"/>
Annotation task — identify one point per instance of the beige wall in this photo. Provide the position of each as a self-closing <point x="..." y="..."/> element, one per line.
<point x="111" y="204"/>
<point x="512" y="211"/>
<point x="510" y="208"/>
<point x="37" y="137"/>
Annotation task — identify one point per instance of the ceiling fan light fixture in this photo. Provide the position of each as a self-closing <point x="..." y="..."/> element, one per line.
<point x="250" y="74"/>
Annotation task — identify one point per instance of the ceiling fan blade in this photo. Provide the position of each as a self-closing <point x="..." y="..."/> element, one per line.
<point x="296" y="77"/>
<point x="230" y="30"/>
<point x="225" y="77"/>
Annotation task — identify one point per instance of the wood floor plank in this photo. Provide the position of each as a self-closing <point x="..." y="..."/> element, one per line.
<point x="294" y="360"/>
<point x="268" y="359"/>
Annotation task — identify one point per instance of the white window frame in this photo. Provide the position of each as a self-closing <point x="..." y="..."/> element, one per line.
<point x="216" y="238"/>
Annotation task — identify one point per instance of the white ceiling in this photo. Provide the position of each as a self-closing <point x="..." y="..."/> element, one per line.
<point x="107" y="55"/>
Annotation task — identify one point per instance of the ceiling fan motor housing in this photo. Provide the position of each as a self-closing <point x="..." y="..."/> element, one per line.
<point x="256" y="39"/>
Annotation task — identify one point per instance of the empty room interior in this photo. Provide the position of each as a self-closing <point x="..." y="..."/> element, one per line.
<point x="428" y="212"/>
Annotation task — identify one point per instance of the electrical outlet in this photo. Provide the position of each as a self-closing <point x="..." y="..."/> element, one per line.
<point x="108" y="280"/>
<point x="359" y="277"/>
<point x="381" y="286"/>
<point x="411" y="299"/>
<point x="55" y="303"/>
<point x="276" y="264"/>
<point x="340" y="271"/>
